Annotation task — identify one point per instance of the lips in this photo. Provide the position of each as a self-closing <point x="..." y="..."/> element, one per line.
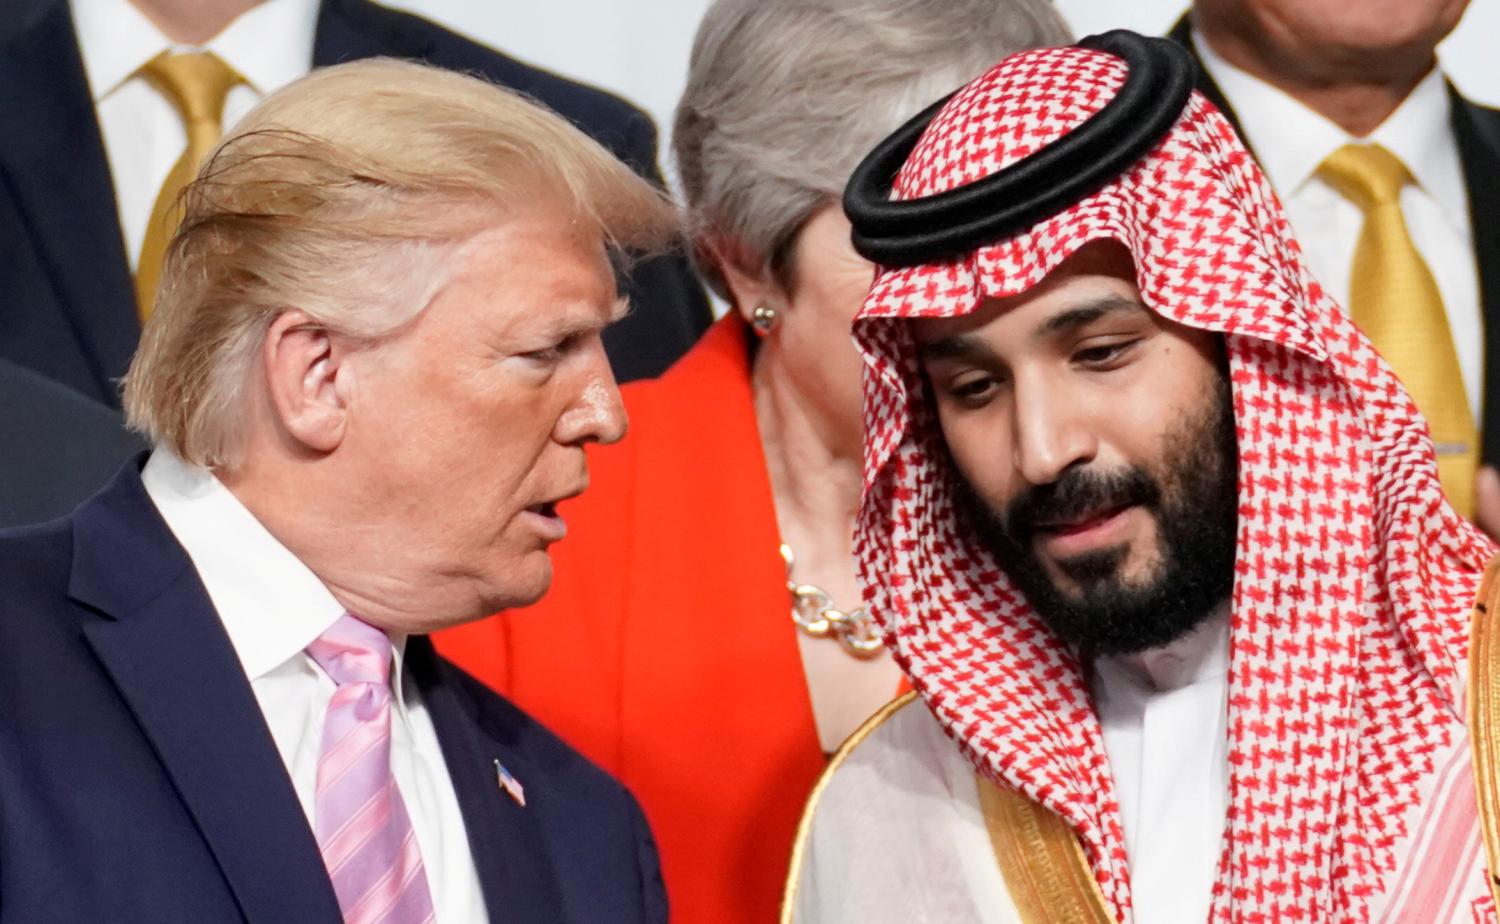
<point x="1083" y="534"/>
<point x="1082" y="522"/>
<point x="544" y="518"/>
<point x="547" y="509"/>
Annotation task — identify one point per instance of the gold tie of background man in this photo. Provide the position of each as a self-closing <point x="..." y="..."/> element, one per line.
<point x="197" y="84"/>
<point x="1395" y="301"/>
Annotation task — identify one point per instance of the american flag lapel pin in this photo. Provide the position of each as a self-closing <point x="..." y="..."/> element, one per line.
<point x="510" y="784"/>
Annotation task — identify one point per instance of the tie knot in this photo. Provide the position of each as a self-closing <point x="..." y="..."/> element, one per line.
<point x="1367" y="174"/>
<point x="352" y="651"/>
<point x="197" y="83"/>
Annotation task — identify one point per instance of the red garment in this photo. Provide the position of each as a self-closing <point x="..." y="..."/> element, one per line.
<point x="665" y="650"/>
<point x="1353" y="578"/>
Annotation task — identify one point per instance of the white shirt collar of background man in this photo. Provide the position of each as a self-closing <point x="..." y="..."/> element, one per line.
<point x="270" y="45"/>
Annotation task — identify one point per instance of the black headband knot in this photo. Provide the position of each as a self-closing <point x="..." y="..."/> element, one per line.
<point x="895" y="233"/>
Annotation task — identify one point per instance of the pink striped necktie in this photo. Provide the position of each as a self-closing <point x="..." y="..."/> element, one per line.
<point x="361" y="822"/>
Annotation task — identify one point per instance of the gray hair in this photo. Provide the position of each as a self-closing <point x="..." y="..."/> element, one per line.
<point x="784" y="97"/>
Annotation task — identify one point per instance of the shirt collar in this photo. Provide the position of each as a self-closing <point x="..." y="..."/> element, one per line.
<point x="116" y="39"/>
<point x="288" y="26"/>
<point x="1421" y="134"/>
<point x="1291" y="141"/>
<point x="271" y="604"/>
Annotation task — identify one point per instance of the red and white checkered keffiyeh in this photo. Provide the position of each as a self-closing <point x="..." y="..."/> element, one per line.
<point x="1354" y="578"/>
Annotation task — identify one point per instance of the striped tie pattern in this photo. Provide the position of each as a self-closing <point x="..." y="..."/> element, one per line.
<point x="360" y="820"/>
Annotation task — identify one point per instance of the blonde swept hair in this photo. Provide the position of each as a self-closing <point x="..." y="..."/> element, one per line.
<point x="346" y="196"/>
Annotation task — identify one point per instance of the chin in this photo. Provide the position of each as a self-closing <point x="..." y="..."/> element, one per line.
<point x="520" y="586"/>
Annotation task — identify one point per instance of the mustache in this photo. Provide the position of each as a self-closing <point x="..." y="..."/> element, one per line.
<point x="1077" y="492"/>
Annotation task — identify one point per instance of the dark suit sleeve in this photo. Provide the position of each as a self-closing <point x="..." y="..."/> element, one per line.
<point x="57" y="448"/>
<point x="653" y="888"/>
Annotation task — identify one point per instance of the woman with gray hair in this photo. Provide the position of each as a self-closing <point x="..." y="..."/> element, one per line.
<point x="704" y="638"/>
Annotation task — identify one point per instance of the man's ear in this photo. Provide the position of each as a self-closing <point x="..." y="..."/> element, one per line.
<point x="305" y="381"/>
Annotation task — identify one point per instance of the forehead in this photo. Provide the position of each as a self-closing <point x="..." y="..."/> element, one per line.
<point x="534" y="269"/>
<point x="1099" y="279"/>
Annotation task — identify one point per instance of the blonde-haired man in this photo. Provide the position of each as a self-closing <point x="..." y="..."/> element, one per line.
<point x="371" y="375"/>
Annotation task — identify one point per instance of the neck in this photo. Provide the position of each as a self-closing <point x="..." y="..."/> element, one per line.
<point x="1201" y="653"/>
<point x="814" y="466"/>
<point x="306" y="514"/>
<point x="1349" y="89"/>
<point x="192" y="22"/>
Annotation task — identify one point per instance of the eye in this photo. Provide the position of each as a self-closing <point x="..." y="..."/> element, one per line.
<point x="974" y="389"/>
<point x="551" y="355"/>
<point x="1104" y="355"/>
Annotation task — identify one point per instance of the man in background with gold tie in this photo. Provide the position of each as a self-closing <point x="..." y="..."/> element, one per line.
<point x="1391" y="180"/>
<point x="106" y="105"/>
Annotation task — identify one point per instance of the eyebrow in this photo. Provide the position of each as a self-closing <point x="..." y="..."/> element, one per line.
<point x="572" y="328"/>
<point x="968" y="346"/>
<point x="1087" y="313"/>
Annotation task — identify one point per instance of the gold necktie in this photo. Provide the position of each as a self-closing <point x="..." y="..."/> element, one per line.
<point x="197" y="84"/>
<point x="1395" y="301"/>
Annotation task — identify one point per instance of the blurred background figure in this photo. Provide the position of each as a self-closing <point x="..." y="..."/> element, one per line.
<point x="107" y="104"/>
<point x="59" y="446"/>
<point x="704" y="637"/>
<point x="1391" y="181"/>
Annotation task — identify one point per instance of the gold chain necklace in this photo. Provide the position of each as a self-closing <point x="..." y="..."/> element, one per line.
<point x="814" y="613"/>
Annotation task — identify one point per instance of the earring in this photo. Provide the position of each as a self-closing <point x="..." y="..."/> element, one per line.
<point x="764" y="319"/>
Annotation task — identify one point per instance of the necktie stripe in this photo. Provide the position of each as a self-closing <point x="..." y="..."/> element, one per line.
<point x="404" y="908"/>
<point x="363" y="829"/>
<point x="353" y="747"/>
<point x="383" y="895"/>
<point x="358" y="830"/>
<point x="342" y="804"/>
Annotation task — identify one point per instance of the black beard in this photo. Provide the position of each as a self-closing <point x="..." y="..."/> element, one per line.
<point x="1194" y="501"/>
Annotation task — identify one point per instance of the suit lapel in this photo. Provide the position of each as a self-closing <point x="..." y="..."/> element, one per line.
<point x="52" y="158"/>
<point x="505" y="838"/>
<point x="1477" y="133"/>
<point x="162" y="644"/>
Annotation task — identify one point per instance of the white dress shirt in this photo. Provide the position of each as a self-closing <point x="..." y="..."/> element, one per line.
<point x="272" y="608"/>
<point x="1291" y="140"/>
<point x="1164" y="714"/>
<point x="270" y="46"/>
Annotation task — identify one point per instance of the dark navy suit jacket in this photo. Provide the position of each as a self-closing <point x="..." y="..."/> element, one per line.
<point x="139" y="781"/>
<point x="68" y="310"/>
<point x="1476" y="132"/>
<point x="56" y="447"/>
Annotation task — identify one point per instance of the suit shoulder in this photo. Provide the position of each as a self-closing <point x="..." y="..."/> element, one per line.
<point x="26" y="549"/>
<point x="35" y="562"/>
<point x="617" y="124"/>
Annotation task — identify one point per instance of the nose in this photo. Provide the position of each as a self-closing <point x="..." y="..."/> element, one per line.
<point x="597" y="415"/>
<point x="1052" y="432"/>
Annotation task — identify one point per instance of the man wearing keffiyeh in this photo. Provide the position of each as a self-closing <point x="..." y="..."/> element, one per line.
<point x="1156" y="534"/>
